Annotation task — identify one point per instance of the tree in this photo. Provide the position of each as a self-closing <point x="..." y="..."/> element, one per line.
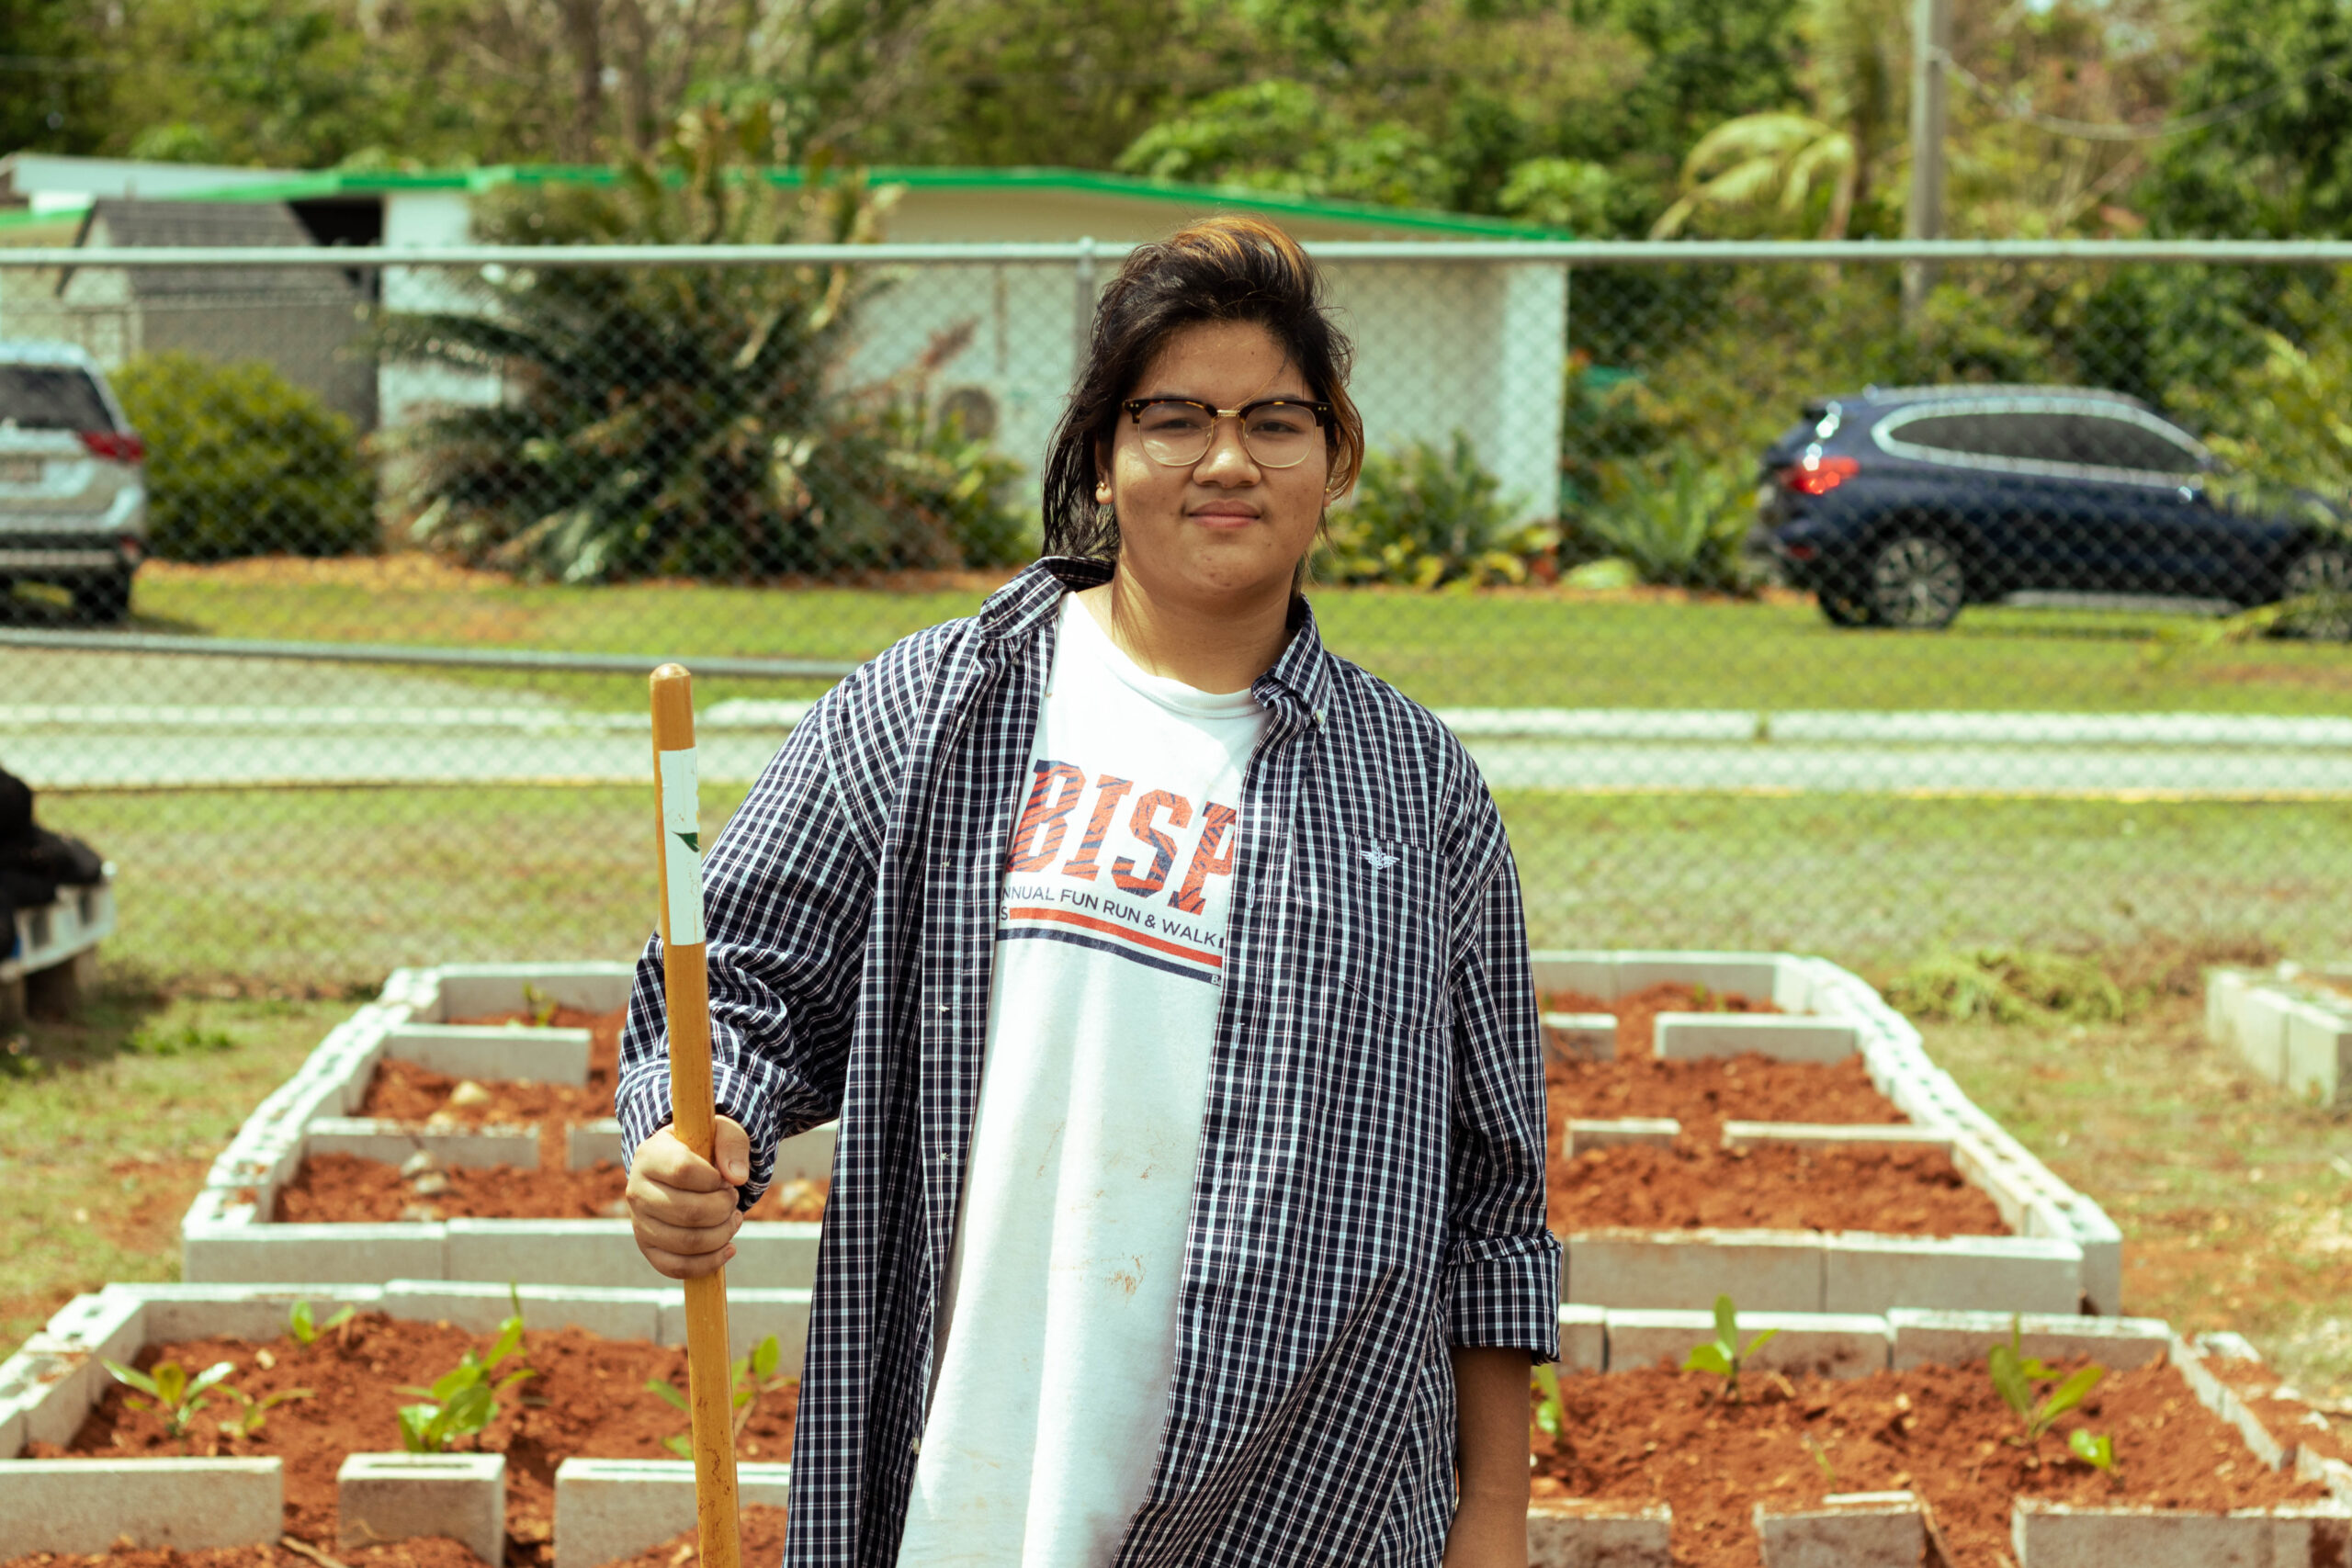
<point x="53" y="80"/>
<point x="2276" y="160"/>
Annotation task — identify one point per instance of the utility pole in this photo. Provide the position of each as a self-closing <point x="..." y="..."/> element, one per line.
<point x="1922" y="219"/>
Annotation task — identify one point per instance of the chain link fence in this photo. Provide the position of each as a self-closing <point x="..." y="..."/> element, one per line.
<point x="1778" y="615"/>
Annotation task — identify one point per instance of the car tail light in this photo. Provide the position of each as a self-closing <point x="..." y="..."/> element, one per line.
<point x="115" y="445"/>
<point x="1817" y="475"/>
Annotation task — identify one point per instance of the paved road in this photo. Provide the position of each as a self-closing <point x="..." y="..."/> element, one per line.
<point x="392" y="730"/>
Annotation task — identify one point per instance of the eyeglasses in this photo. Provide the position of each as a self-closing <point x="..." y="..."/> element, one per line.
<point x="1277" y="432"/>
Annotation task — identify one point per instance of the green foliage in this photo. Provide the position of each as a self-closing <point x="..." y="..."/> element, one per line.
<point x="2014" y="1374"/>
<point x="1429" y="515"/>
<point x="2010" y="984"/>
<point x="540" y="1006"/>
<point x="1551" y="1417"/>
<point x="1281" y="135"/>
<point x="2094" y="1449"/>
<point x="1574" y="194"/>
<point x="1722" y="1354"/>
<point x="188" y="1040"/>
<point x="1673" y="518"/>
<point x="686" y="421"/>
<point x="749" y="1378"/>
<point x="55" y="101"/>
<point x="305" y="1332"/>
<point x="2279" y="162"/>
<point x="463" y="1401"/>
<point x="255" y="1411"/>
<point x="171" y="1393"/>
<point x="243" y="462"/>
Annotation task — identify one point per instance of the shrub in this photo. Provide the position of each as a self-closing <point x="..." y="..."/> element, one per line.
<point x="684" y="421"/>
<point x="1672" y="517"/>
<point x="243" y="462"/>
<point x="1425" y="516"/>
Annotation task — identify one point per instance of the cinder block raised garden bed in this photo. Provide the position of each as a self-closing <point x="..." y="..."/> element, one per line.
<point x="2291" y="1025"/>
<point x="1859" y="1439"/>
<point x="1765" y="1125"/>
<point x="461" y="1128"/>
<point x="1847" y="1433"/>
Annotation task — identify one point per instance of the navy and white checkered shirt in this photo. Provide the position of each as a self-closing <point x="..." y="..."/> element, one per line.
<point x="1370" y="1184"/>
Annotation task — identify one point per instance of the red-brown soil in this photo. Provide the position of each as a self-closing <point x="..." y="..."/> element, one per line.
<point x="1697" y="1182"/>
<point x="1657" y="1434"/>
<point x="2287" y="1419"/>
<point x="339" y="1189"/>
<point x="427" y="1551"/>
<point x="590" y="1398"/>
<point x="762" y="1541"/>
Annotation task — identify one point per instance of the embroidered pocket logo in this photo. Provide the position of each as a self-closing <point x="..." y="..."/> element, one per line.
<point x="1379" y="859"/>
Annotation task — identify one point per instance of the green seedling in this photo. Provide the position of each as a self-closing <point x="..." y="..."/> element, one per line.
<point x="305" y="1332"/>
<point x="1722" y="1354"/>
<point x="752" y="1378"/>
<point x="539" y="1005"/>
<point x="2014" y="1374"/>
<point x="1551" y="1417"/>
<point x="176" y="1396"/>
<point x="2094" y="1449"/>
<point x="463" y="1401"/>
<point x="249" y="1424"/>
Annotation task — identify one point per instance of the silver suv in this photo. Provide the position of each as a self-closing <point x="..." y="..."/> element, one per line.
<point x="72" y="488"/>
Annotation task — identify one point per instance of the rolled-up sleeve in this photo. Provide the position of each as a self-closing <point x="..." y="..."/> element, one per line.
<point x="787" y="890"/>
<point x="1502" y="1266"/>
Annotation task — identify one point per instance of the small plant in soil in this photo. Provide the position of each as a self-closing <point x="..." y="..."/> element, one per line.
<point x="171" y="1393"/>
<point x="539" y="1005"/>
<point x="463" y="1401"/>
<point x="752" y="1377"/>
<point x="1722" y="1354"/>
<point x="248" y="1423"/>
<point x="1551" y="1419"/>
<point x="2014" y="1375"/>
<point x="306" y="1332"/>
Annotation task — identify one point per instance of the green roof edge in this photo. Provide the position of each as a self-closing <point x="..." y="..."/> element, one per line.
<point x="333" y="182"/>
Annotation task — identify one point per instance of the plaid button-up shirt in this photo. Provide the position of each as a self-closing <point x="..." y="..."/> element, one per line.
<point x="1370" y="1183"/>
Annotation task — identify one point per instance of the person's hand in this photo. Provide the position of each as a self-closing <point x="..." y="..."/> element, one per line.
<point x="1487" y="1532"/>
<point x="682" y="1206"/>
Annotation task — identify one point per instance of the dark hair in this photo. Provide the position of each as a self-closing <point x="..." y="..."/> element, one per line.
<point x="1221" y="269"/>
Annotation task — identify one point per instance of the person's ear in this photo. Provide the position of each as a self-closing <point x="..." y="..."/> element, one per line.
<point x="1102" y="476"/>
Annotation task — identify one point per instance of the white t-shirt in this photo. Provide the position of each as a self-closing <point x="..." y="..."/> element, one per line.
<point x="1058" y="1322"/>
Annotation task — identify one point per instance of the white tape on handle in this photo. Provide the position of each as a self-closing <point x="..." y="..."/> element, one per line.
<point x="682" y="847"/>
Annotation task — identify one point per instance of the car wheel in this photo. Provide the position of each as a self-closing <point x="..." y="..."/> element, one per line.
<point x="1917" y="582"/>
<point x="2322" y="574"/>
<point x="105" y="599"/>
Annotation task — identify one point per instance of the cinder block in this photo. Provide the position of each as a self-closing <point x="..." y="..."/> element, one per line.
<point x="1862" y="1273"/>
<point x="1683" y="1036"/>
<point x="480" y="1306"/>
<point x="1590" y="1035"/>
<point x="393" y="1142"/>
<point x="1796" y="989"/>
<point x="1926" y="1338"/>
<point x="266" y="1254"/>
<point x="2055" y="1535"/>
<point x="1750" y="974"/>
<point x="1837" y="1345"/>
<point x="2262" y="1031"/>
<point x="1655" y="1132"/>
<point x="586" y="1143"/>
<point x="553" y="1252"/>
<point x="1869" y="1529"/>
<point x="1567" y="969"/>
<point x="87" y="1505"/>
<point x="476" y="990"/>
<point x="388" y="1497"/>
<point x="242" y="1311"/>
<point x="2224" y="993"/>
<point x="808" y="1156"/>
<point x="752" y="1316"/>
<point x="2331" y="1473"/>
<point x="1829" y="1135"/>
<point x="611" y="1508"/>
<point x="467" y="1051"/>
<point x="2191" y="1360"/>
<point x="2318" y="1060"/>
<point x="1584" y="1339"/>
<point x="1595" y="1532"/>
<point x="1762" y="1270"/>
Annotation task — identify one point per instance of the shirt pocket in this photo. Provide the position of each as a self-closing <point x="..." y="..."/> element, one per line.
<point x="1375" y="921"/>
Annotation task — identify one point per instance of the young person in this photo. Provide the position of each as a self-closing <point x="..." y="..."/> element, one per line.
<point x="1167" y="976"/>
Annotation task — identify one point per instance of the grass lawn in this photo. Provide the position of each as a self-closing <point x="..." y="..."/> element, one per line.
<point x="108" y="1125"/>
<point x="1504" y="649"/>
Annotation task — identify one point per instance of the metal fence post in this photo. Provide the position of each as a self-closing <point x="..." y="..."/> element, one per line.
<point x="1082" y="315"/>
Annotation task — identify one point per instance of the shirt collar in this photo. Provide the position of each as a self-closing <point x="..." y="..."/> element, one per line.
<point x="1295" y="684"/>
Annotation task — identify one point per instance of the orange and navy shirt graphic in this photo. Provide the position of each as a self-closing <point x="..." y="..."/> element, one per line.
<point x="1151" y="904"/>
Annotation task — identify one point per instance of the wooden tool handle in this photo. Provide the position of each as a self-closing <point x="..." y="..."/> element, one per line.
<point x="686" y="984"/>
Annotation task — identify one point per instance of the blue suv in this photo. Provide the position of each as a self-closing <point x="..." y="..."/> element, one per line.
<point x="1898" y="507"/>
